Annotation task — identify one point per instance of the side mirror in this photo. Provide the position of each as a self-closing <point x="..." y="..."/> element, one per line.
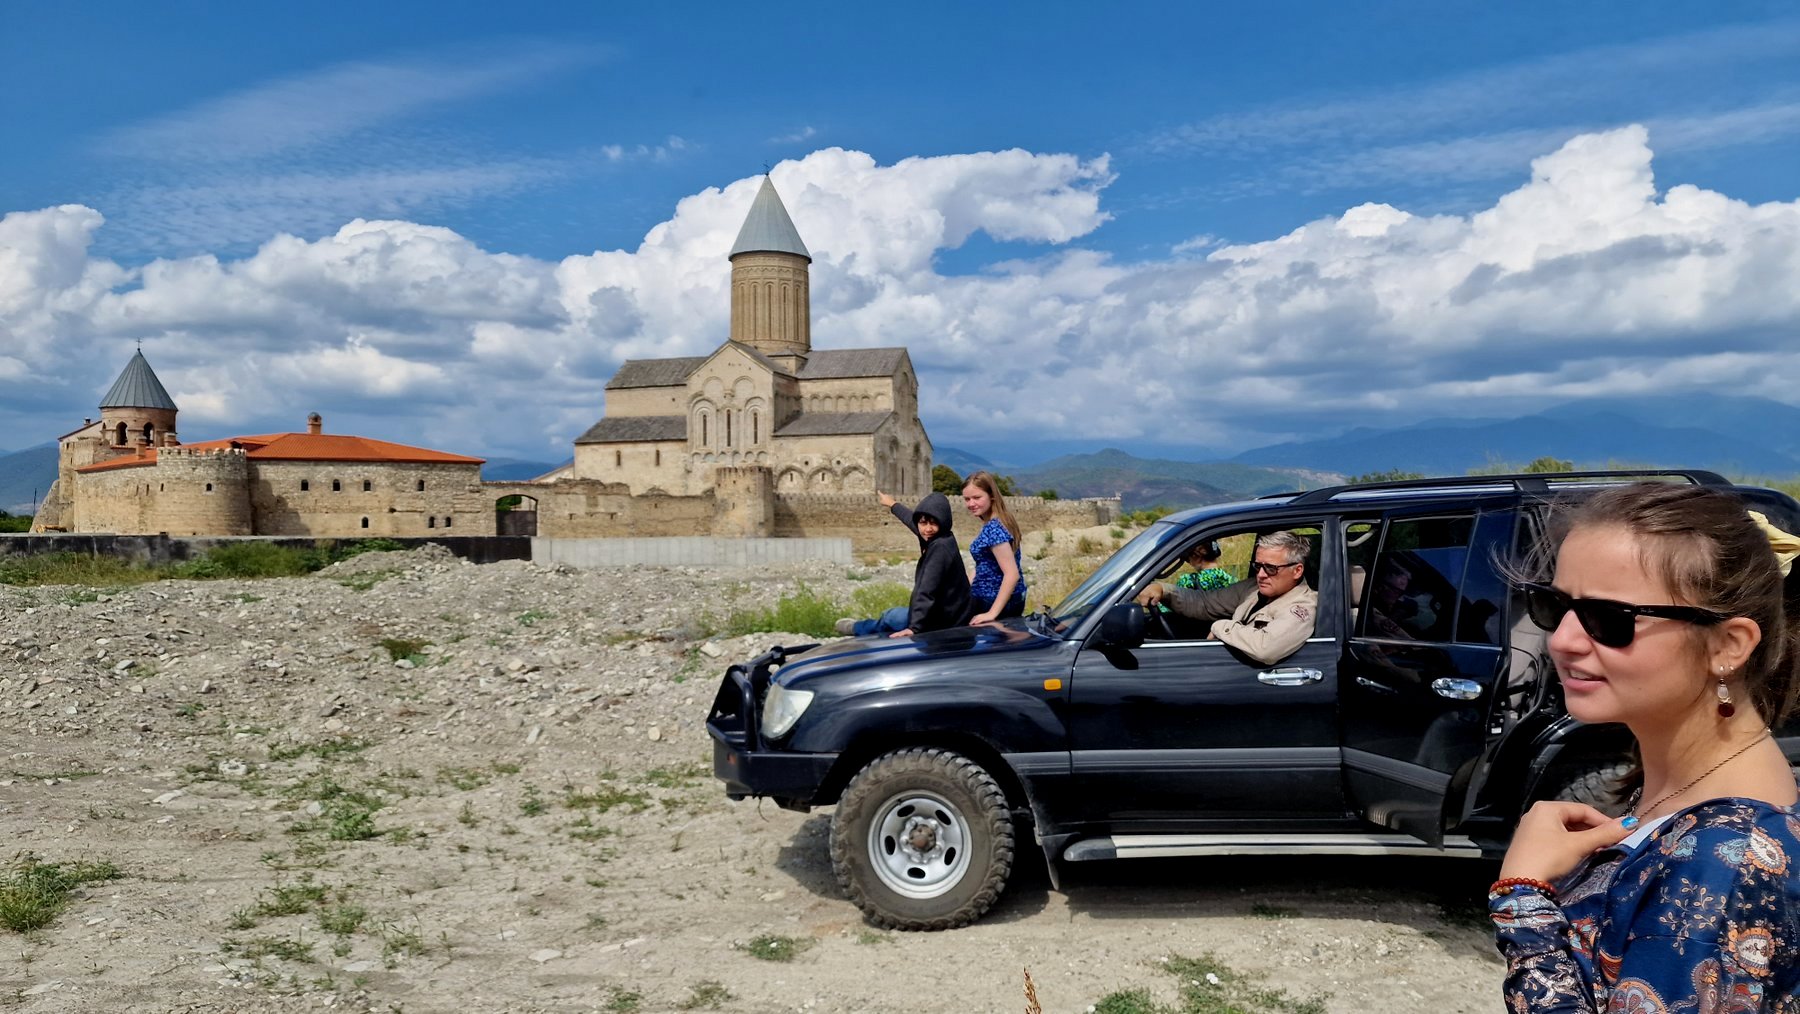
<point x="1122" y="626"/>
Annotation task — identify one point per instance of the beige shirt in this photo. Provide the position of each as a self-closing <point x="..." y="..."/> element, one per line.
<point x="1267" y="635"/>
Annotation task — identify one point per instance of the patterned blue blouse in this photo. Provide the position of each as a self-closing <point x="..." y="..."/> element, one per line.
<point x="1703" y="917"/>
<point x="986" y="583"/>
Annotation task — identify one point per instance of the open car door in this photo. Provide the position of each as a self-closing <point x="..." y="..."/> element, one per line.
<point x="1423" y="661"/>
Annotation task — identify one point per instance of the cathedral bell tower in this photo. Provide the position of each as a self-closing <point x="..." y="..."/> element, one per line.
<point x="137" y="411"/>
<point x="771" y="305"/>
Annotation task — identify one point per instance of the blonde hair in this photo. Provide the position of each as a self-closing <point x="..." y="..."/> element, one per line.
<point x="986" y="482"/>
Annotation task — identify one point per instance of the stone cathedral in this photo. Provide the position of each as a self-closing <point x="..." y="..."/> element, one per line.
<point x="831" y="420"/>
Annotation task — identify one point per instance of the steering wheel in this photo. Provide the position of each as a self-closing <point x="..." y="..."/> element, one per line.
<point x="1158" y="622"/>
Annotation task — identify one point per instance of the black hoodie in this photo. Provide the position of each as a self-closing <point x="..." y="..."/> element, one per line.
<point x="940" y="595"/>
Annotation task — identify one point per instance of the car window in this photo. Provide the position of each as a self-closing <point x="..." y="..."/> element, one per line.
<point x="1102" y="583"/>
<point x="1415" y="587"/>
<point x="1236" y="551"/>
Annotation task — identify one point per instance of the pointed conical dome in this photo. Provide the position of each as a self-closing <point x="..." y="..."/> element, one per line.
<point x="768" y="229"/>
<point x="138" y="387"/>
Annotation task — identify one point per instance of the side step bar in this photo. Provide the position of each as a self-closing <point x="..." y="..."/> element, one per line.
<point x="1147" y="846"/>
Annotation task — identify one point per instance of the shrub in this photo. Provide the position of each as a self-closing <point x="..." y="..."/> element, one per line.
<point x="1047" y="494"/>
<point x="14" y="522"/>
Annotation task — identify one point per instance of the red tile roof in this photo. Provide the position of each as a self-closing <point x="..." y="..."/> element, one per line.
<point x="129" y="461"/>
<point x="308" y="447"/>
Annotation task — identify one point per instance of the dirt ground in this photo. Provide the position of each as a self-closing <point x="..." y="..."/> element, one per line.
<point x="519" y="815"/>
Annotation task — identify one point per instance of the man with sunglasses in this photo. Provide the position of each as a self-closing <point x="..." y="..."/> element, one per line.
<point x="1267" y="617"/>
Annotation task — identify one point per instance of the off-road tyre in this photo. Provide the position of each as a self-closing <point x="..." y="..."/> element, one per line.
<point x="1595" y="783"/>
<point x="979" y="819"/>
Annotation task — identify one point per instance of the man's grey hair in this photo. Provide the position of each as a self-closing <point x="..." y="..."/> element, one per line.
<point x="1294" y="546"/>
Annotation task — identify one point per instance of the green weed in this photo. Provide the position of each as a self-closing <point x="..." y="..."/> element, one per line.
<point x="401" y="647"/>
<point x="770" y="947"/>
<point x="285" y="948"/>
<point x="34" y="893"/>
<point x="1206" y="985"/>
<point x="604" y="798"/>
<point x="624" y="1001"/>
<point x="706" y="994"/>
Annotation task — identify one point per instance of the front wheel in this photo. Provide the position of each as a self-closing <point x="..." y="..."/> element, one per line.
<point x="922" y="840"/>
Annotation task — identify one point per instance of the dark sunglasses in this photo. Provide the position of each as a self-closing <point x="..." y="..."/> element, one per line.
<point x="1610" y="623"/>
<point x="1271" y="569"/>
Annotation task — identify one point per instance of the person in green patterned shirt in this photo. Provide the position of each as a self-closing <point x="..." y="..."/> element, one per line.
<point x="1205" y="575"/>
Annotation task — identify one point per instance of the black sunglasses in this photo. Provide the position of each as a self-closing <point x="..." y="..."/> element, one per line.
<point x="1272" y="569"/>
<point x="1610" y="623"/>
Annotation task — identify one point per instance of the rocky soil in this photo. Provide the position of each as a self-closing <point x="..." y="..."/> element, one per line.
<point x="508" y="806"/>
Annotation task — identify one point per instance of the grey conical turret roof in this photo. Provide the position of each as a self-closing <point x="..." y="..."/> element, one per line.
<point x="768" y="229"/>
<point x="138" y="387"/>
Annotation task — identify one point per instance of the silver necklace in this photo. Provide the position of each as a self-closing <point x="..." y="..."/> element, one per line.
<point x="1632" y="807"/>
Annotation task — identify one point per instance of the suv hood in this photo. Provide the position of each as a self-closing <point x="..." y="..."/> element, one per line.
<point x="914" y="652"/>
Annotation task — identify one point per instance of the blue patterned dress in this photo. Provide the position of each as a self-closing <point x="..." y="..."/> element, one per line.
<point x="1702" y="917"/>
<point x="985" y="585"/>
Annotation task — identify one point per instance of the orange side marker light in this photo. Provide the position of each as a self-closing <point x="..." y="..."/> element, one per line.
<point x="1053" y="684"/>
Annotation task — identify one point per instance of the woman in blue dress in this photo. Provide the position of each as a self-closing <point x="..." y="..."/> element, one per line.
<point x="997" y="590"/>
<point x="1670" y="613"/>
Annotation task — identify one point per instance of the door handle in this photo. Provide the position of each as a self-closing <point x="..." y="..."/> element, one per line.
<point x="1455" y="688"/>
<point x="1290" y="677"/>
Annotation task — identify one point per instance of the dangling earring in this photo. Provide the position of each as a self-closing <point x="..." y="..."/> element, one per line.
<point x="1726" y="708"/>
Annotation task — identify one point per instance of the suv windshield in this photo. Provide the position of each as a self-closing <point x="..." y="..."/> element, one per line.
<point x="1103" y="582"/>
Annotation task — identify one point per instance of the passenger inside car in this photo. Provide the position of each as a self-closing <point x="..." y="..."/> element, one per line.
<point x="1267" y="616"/>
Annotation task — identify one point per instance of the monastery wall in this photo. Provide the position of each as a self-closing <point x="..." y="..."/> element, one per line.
<point x="119" y="502"/>
<point x="347" y="498"/>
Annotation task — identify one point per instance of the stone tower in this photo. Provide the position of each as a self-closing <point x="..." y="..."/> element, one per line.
<point x="771" y="303"/>
<point x="137" y="411"/>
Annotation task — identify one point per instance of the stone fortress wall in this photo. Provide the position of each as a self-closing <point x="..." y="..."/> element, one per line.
<point x="744" y="504"/>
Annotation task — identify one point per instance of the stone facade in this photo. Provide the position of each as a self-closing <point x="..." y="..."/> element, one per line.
<point x="822" y="421"/>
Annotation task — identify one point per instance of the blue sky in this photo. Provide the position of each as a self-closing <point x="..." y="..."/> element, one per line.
<point x="1167" y="146"/>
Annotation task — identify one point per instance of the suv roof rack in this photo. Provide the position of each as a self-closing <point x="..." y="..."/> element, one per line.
<point x="1532" y="482"/>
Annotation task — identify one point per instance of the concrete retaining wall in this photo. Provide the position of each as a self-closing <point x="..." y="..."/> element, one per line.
<point x="687" y="551"/>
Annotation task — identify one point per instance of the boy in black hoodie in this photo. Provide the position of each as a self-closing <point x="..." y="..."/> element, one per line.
<point x="940" y="595"/>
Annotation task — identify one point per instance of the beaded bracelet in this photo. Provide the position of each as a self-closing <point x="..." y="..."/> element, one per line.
<point x="1506" y="885"/>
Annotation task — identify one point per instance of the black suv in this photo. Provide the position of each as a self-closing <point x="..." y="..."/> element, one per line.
<point x="1421" y="717"/>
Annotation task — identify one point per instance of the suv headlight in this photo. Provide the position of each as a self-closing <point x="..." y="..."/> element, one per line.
<point x="782" y="708"/>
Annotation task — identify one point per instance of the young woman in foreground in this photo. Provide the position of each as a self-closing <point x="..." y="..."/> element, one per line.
<point x="997" y="590"/>
<point x="1667" y="613"/>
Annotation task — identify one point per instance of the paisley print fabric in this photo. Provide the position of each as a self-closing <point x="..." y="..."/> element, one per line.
<point x="1701" y="918"/>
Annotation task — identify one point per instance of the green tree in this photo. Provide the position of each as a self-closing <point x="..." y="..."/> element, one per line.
<point x="12" y="523"/>
<point x="945" y="480"/>
<point x="1391" y="475"/>
<point x="1047" y="494"/>
<point x="1549" y="464"/>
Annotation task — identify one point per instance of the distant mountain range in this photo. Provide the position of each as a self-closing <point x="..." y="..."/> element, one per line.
<point x="516" y="469"/>
<point x="1748" y="437"/>
<point x="24" y="474"/>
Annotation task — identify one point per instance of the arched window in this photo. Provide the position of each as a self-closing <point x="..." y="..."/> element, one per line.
<point x="209" y="487"/>
<point x="431" y="522"/>
<point x="659" y="457"/>
<point x="727" y="416"/>
<point x="618" y="459"/>
<point x="336" y="486"/>
<point x="149" y="431"/>
<point x="704" y="436"/>
<point x="365" y="522"/>
<point x="755" y="426"/>
<point x="448" y="521"/>
<point x="121" y="440"/>
<point x="305" y="485"/>
<point x="367" y="485"/>
<point x="421" y="486"/>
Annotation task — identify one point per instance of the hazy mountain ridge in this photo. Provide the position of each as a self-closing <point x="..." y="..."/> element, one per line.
<point x="25" y="473"/>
